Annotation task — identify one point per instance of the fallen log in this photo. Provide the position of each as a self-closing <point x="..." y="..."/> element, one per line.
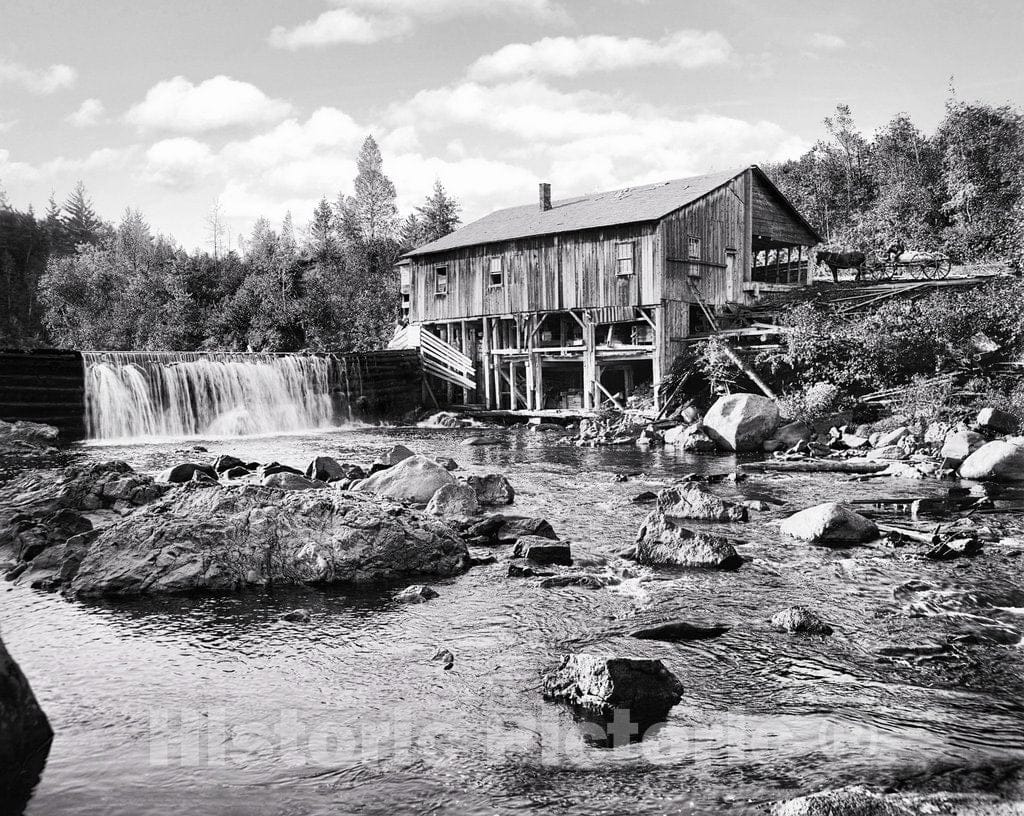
<point x="816" y="466"/>
<point x="931" y="539"/>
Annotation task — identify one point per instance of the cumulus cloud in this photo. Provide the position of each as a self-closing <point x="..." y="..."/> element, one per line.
<point x="38" y="80"/>
<point x="89" y="113"/>
<point x="572" y="56"/>
<point x="177" y="105"/>
<point x="369" y="21"/>
<point x="179" y="162"/>
<point x="827" y="42"/>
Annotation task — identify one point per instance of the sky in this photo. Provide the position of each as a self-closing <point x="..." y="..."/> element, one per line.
<point x="260" y="106"/>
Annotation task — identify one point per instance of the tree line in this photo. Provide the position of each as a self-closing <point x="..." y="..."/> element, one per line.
<point x="959" y="190"/>
<point x="73" y="280"/>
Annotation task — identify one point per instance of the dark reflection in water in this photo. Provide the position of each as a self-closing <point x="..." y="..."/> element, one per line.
<point x="216" y="702"/>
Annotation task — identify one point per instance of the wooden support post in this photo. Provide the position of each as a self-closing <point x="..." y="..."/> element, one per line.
<point x="589" y="361"/>
<point x="657" y="356"/>
<point x="512" y="385"/>
<point x="486" y="362"/>
<point x="530" y="392"/>
<point x="464" y="346"/>
<point x="538" y="381"/>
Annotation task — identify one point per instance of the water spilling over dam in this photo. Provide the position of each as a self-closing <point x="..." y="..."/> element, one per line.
<point x="182" y="394"/>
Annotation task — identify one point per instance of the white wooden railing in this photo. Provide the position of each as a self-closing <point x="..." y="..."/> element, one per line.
<point x="443" y="361"/>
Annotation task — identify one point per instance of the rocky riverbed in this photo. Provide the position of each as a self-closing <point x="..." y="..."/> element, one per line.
<point x="798" y="667"/>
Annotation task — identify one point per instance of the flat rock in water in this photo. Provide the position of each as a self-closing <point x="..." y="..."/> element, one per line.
<point x="602" y="684"/>
<point x="479" y="441"/>
<point x="662" y="542"/>
<point x="542" y="551"/>
<point x="453" y="500"/>
<point x="741" y="422"/>
<point x="296" y="616"/>
<point x="414" y="479"/>
<point x="585" y="580"/>
<point x="692" y="501"/>
<point x="512" y="529"/>
<point x="830" y="523"/>
<point x="416" y="594"/>
<point x="799" y="619"/>
<point x="25" y="736"/>
<point x="999" y="460"/>
<point x="679" y="632"/>
<point x="493" y="489"/>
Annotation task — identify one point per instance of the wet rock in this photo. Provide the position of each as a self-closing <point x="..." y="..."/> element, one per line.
<point x="997" y="421"/>
<point x="202" y="478"/>
<point x="453" y="500"/>
<point x="830" y="523"/>
<point x="326" y="469"/>
<point x="395" y="454"/>
<point x="352" y="471"/>
<point x="445" y="656"/>
<point x="225" y="463"/>
<point x="513" y="528"/>
<point x="23" y="436"/>
<point x="480" y="441"/>
<point x="414" y="479"/>
<point x="542" y="550"/>
<point x="600" y="684"/>
<point x="493" y="489"/>
<point x="679" y="632"/>
<point x="226" y="538"/>
<point x="291" y="481"/>
<point x="756" y="504"/>
<point x="520" y="569"/>
<point x="276" y="467"/>
<point x="25" y="736"/>
<point x="788" y="435"/>
<point x="584" y="580"/>
<point x="236" y="473"/>
<point x="662" y="542"/>
<point x="295" y="616"/>
<point x="644" y="497"/>
<point x="692" y="438"/>
<point x="416" y="594"/>
<point x="861" y="801"/>
<point x="741" y="422"/>
<point x="959" y="445"/>
<point x="448" y="463"/>
<point x="184" y="473"/>
<point x="998" y="460"/>
<point x="695" y="502"/>
<point x="799" y="619"/>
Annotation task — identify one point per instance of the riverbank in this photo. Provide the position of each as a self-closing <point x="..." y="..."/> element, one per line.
<point x="215" y="698"/>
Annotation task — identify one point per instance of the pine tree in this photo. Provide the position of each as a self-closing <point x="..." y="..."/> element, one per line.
<point x="439" y="214"/>
<point x="411" y="234"/>
<point x="80" y="219"/>
<point x="371" y="215"/>
<point x="323" y="245"/>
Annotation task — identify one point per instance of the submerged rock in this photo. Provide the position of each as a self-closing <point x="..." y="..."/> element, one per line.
<point x="679" y="632"/>
<point x="741" y="422"/>
<point x="479" y="441"/>
<point x="695" y="502"/>
<point x="830" y="523"/>
<point x="662" y="542"/>
<point x="413" y="479"/>
<point x="25" y="735"/>
<point x="999" y="460"/>
<point x="542" y="550"/>
<point x="295" y="616"/>
<point x="860" y="801"/>
<point x="453" y="500"/>
<point x="416" y="594"/>
<point x="799" y="619"/>
<point x="492" y="489"/>
<point x="226" y="538"/>
<point x="586" y="580"/>
<point x="599" y="684"/>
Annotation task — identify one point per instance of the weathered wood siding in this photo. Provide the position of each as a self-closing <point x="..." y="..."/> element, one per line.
<point x="771" y="218"/>
<point x="547" y="273"/>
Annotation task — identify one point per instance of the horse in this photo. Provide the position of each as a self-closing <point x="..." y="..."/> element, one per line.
<point x="842" y="260"/>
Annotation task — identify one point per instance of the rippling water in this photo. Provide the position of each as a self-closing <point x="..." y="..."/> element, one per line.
<point x="213" y="705"/>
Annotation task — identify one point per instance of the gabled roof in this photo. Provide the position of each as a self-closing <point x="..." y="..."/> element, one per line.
<point x="631" y="205"/>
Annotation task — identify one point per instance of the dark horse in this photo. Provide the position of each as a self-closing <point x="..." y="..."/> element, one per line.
<point x="842" y="260"/>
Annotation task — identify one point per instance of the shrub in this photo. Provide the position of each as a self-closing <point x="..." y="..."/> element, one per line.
<point x="811" y="402"/>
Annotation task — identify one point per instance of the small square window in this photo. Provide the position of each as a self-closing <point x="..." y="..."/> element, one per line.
<point x="624" y="258"/>
<point x="441" y="280"/>
<point x="496" y="272"/>
<point x="693" y="247"/>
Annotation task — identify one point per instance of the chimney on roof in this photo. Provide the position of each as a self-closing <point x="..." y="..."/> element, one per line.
<point x="545" y="196"/>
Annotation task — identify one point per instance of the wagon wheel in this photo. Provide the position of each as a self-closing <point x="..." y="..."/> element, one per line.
<point x="875" y="271"/>
<point x="935" y="268"/>
<point x="945" y="266"/>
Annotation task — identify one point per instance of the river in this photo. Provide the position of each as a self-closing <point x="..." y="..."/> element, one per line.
<point x="213" y="705"/>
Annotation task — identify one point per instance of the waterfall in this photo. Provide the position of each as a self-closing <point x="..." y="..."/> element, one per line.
<point x="182" y="394"/>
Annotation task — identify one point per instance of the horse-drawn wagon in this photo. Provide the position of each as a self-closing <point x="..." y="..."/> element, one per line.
<point x="931" y="265"/>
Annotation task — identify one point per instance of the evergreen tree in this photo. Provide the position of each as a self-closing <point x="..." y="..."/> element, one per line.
<point x="322" y="244"/>
<point x="439" y="214"/>
<point x="80" y="220"/>
<point x="411" y="234"/>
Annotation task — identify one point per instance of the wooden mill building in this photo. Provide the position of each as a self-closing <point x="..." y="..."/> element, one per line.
<point x="564" y="304"/>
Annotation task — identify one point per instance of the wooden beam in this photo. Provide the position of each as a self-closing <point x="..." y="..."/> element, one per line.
<point x="589" y="363"/>
<point x="487" y="362"/>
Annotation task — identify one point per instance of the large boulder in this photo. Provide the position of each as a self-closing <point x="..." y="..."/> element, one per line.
<point x="692" y="438"/>
<point x="326" y="469"/>
<point x="662" y="542"/>
<point x="491" y="489"/>
<point x="741" y="422"/>
<point x="414" y="479"/>
<point x="600" y="684"/>
<point x="830" y="523"/>
<point x="225" y="538"/>
<point x="186" y="472"/>
<point x="999" y="460"/>
<point x="25" y="736"/>
<point x="691" y="501"/>
<point x="997" y="421"/>
<point x="454" y="500"/>
<point x="958" y="445"/>
<point x="226" y="462"/>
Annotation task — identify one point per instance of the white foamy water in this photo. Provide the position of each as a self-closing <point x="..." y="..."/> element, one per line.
<point x="159" y="395"/>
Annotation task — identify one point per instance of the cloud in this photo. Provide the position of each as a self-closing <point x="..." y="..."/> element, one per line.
<point x="572" y="56"/>
<point x="178" y="163"/>
<point x="368" y="21"/>
<point x="39" y="81"/>
<point x="176" y="105"/>
<point x="827" y="42"/>
<point x="89" y="113"/>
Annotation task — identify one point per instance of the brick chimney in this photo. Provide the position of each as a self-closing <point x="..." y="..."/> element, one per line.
<point x="545" y="196"/>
